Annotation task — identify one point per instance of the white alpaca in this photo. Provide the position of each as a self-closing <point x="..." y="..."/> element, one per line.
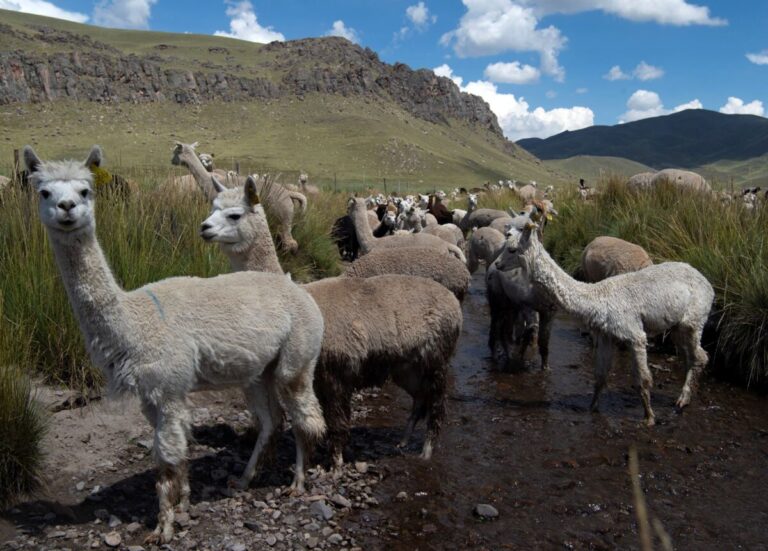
<point x="259" y="332"/>
<point x="485" y="244"/>
<point x="623" y="310"/>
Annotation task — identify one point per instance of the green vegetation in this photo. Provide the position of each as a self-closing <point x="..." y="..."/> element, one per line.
<point x="22" y="428"/>
<point x="593" y="168"/>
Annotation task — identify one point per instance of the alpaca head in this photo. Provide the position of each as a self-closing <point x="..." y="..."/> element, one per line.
<point x="472" y="201"/>
<point x="207" y="161"/>
<point x="518" y="249"/>
<point x="423" y="201"/>
<point x="182" y="152"/>
<point x="390" y="218"/>
<point x="355" y="203"/>
<point x="231" y="222"/>
<point x="303" y="178"/>
<point x="440" y="194"/>
<point x="65" y="192"/>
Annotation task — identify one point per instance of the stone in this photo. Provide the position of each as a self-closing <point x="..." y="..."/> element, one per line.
<point x="361" y="467"/>
<point x="312" y="542"/>
<point x="483" y="510"/>
<point x="321" y="510"/>
<point x="341" y="501"/>
<point x="135" y="548"/>
<point x="113" y="539"/>
<point x="182" y="519"/>
<point x="271" y="540"/>
<point x="133" y="527"/>
<point x="80" y="486"/>
<point x="335" y="539"/>
<point x="238" y="547"/>
<point x="101" y="514"/>
<point x="114" y="522"/>
<point x="402" y="496"/>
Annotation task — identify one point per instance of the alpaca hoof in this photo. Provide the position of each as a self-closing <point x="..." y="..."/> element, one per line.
<point x="426" y="452"/>
<point x="650" y="421"/>
<point x="159" y="537"/>
<point x="545" y="366"/>
<point x="296" y="488"/>
<point x="682" y="402"/>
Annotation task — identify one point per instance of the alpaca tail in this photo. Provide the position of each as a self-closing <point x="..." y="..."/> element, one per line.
<point x="455" y="251"/>
<point x="303" y="407"/>
<point x="300" y="198"/>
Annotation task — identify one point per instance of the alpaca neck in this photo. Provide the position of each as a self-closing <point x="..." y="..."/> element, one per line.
<point x="260" y="255"/>
<point x="464" y="224"/>
<point x="95" y="296"/>
<point x="577" y="298"/>
<point x="362" y="228"/>
<point x="200" y="174"/>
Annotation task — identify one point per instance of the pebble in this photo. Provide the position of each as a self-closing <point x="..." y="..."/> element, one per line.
<point x="182" y="519"/>
<point x="402" y="496"/>
<point x="320" y="509"/>
<point x="113" y="539"/>
<point x="335" y="539"/>
<point x="271" y="540"/>
<point x="341" y="501"/>
<point x="135" y="548"/>
<point x="238" y="547"/>
<point x="114" y="522"/>
<point x="361" y="467"/>
<point x="133" y="527"/>
<point x="80" y="486"/>
<point x="484" y="510"/>
<point x="312" y="542"/>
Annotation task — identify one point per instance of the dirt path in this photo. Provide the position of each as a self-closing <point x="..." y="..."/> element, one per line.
<point x="521" y="442"/>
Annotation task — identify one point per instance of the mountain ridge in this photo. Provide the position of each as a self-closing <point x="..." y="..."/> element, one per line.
<point x="687" y="139"/>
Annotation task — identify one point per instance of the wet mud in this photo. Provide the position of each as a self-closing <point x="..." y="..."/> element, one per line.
<point x="526" y="443"/>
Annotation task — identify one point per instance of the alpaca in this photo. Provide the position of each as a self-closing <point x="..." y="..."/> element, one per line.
<point x="526" y="192"/>
<point x="445" y="269"/>
<point x="344" y="235"/>
<point x="684" y="179"/>
<point x="4" y="181"/>
<point x="608" y="256"/>
<point x="622" y="311"/>
<point x="464" y="224"/>
<point x="277" y="199"/>
<point x="641" y="181"/>
<point x="181" y="334"/>
<point x="520" y="313"/>
<point x="485" y="244"/>
<point x="357" y="210"/>
<point x="407" y="330"/>
<point x="437" y="209"/>
<point x="450" y="233"/>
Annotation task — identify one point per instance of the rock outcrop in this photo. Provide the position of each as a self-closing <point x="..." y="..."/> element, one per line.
<point x="84" y="69"/>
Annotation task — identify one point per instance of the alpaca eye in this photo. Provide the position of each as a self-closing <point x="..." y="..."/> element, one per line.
<point x="234" y="216"/>
<point x="84" y="193"/>
<point x="45" y="194"/>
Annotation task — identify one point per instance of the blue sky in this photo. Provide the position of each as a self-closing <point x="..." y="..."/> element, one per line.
<point x="544" y="66"/>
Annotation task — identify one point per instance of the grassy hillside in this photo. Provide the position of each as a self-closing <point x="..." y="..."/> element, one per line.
<point x="355" y="139"/>
<point x="687" y="139"/>
<point x="594" y="168"/>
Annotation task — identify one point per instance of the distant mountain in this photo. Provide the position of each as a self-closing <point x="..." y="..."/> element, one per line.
<point x="687" y="139"/>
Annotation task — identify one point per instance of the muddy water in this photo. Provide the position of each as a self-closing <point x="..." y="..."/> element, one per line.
<point x="526" y="443"/>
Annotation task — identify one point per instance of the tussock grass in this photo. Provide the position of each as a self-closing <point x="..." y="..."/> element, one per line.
<point x="22" y="425"/>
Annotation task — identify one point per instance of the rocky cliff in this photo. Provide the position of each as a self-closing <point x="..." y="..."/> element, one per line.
<point x="77" y="67"/>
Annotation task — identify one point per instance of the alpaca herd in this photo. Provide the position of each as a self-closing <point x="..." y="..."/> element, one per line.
<point x="393" y="315"/>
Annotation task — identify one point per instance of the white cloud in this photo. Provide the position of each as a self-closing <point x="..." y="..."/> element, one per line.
<point x="419" y="15"/>
<point x="664" y="12"/>
<point x="340" y="29"/>
<point x="244" y="25"/>
<point x="516" y="118"/>
<point x="643" y="71"/>
<point x="644" y="104"/>
<point x="40" y="7"/>
<point x="616" y="74"/>
<point x="736" y="106"/>
<point x="494" y="26"/>
<point x="760" y="58"/>
<point x="123" y="14"/>
<point x="582" y="90"/>
<point x="551" y="94"/>
<point x="512" y="73"/>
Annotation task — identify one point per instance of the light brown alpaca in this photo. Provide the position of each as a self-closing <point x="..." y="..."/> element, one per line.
<point x="277" y="200"/>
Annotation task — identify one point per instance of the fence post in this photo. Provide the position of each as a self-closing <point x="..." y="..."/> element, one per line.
<point x="385" y="186"/>
<point x="237" y="167"/>
<point x="335" y="184"/>
<point x="15" y="174"/>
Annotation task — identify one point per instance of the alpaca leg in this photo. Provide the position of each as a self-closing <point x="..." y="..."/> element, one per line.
<point x="306" y="415"/>
<point x="184" y="489"/>
<point x="435" y="410"/>
<point x="546" y="317"/>
<point x="338" y="428"/>
<point x="603" y="358"/>
<point x="417" y="412"/>
<point x="266" y="408"/>
<point x="286" y="239"/>
<point x="645" y="379"/>
<point x="695" y="361"/>
<point x="170" y="451"/>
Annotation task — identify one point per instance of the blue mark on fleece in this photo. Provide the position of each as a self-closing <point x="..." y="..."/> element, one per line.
<point x="156" y="300"/>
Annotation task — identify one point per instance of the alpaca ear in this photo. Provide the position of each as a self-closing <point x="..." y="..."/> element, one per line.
<point x="251" y="195"/>
<point x="94" y="157"/>
<point x="194" y="145"/>
<point x="218" y="186"/>
<point x="31" y="160"/>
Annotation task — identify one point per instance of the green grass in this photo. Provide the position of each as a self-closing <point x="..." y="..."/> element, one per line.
<point x="594" y="168"/>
